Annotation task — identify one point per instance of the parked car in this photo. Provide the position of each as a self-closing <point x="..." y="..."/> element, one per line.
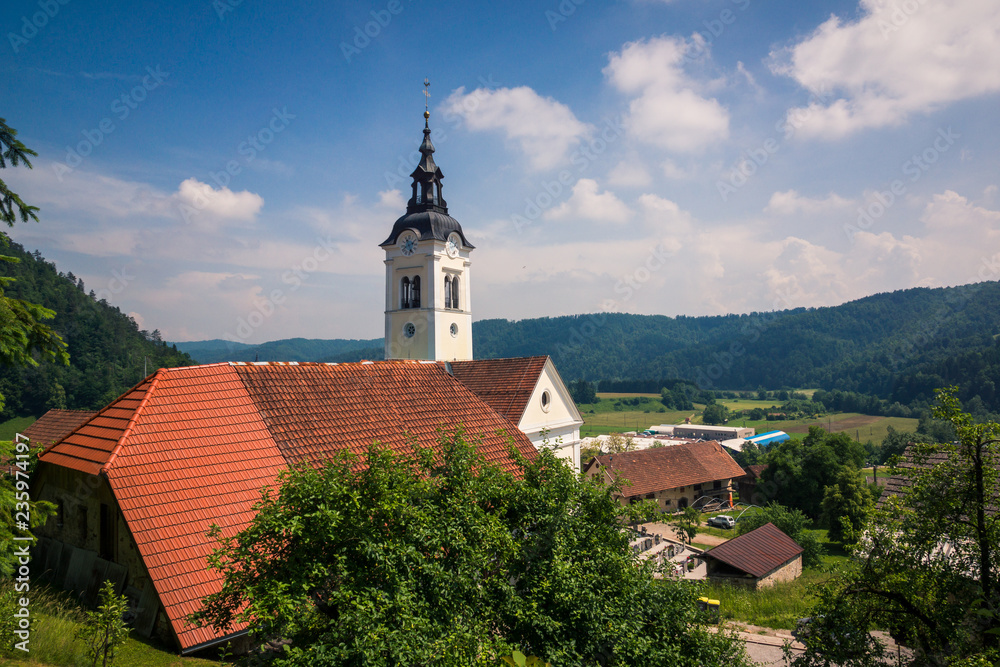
<point x="722" y="521"/>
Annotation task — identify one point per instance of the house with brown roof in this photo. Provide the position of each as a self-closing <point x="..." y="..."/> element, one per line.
<point x="757" y="559"/>
<point x="674" y="476"/>
<point x="139" y="484"/>
<point x="54" y="425"/>
<point x="747" y="485"/>
<point x="530" y="393"/>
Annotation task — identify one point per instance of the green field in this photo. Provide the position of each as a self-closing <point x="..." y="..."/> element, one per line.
<point x="602" y="418"/>
<point x="15" y="425"/>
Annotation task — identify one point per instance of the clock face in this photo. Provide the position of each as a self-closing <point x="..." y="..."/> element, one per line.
<point x="409" y="244"/>
<point x="454" y="242"/>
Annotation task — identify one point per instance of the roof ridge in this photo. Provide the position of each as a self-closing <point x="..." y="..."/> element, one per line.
<point x="132" y="420"/>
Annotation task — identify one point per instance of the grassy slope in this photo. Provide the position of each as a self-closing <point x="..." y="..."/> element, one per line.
<point x="53" y="644"/>
<point x="15" y="425"/>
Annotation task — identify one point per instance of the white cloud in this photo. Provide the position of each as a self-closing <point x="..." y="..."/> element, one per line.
<point x="897" y="59"/>
<point x="586" y="203"/>
<point x="222" y="203"/>
<point x="791" y="202"/>
<point x="543" y="128"/>
<point x="668" y="109"/>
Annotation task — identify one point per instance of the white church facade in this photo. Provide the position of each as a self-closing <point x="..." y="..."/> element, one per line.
<point x="428" y="316"/>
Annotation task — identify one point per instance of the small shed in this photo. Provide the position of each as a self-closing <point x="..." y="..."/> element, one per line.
<point x="758" y="559"/>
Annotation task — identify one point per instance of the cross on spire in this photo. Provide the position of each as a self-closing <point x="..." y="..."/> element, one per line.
<point x="427" y="95"/>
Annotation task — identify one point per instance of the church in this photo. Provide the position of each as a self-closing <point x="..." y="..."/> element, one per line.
<point x="138" y="484"/>
<point x="428" y="315"/>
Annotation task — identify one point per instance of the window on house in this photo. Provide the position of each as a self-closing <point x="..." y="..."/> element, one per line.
<point x="650" y="496"/>
<point x="666" y="503"/>
<point x="415" y="292"/>
<point x="107" y="542"/>
<point x="717" y="484"/>
<point x="447" y="291"/>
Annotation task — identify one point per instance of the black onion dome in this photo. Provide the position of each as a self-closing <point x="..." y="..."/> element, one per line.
<point x="427" y="211"/>
<point x="428" y="225"/>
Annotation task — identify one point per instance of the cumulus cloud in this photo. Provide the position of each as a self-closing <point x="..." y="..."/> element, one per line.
<point x="586" y="203"/>
<point x="222" y="203"/>
<point x="897" y="59"/>
<point x="668" y="109"/>
<point x="543" y="128"/>
<point x="791" y="202"/>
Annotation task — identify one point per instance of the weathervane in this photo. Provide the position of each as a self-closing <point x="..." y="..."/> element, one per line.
<point x="427" y="95"/>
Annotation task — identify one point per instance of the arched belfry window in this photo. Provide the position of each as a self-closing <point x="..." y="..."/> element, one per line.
<point x="454" y="293"/>
<point x="415" y="292"/>
<point x="447" y="291"/>
<point x="404" y="293"/>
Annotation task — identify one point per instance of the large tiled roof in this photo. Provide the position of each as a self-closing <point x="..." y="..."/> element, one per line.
<point x="670" y="467"/>
<point x="189" y="447"/>
<point x="910" y="461"/>
<point x="505" y="384"/>
<point x="55" y="425"/>
<point x="758" y="552"/>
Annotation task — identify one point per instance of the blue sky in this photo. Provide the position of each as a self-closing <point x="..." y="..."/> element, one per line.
<point x="200" y="162"/>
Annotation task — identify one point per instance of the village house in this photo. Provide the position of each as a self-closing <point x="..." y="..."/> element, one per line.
<point x="530" y="393"/>
<point x="758" y="559"/>
<point x="674" y="476"/>
<point x="138" y="485"/>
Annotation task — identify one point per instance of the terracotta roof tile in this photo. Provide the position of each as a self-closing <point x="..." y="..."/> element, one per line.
<point x="505" y="384"/>
<point x="758" y="552"/>
<point x="670" y="467"/>
<point x="191" y="446"/>
<point x="55" y="425"/>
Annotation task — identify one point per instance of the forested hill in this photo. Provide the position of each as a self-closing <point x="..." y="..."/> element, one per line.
<point x="107" y="350"/>
<point x="899" y="346"/>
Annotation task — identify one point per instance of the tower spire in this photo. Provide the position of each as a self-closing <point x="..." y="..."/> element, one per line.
<point x="427" y="175"/>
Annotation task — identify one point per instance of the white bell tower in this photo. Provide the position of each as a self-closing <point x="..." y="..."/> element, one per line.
<point x="428" y="309"/>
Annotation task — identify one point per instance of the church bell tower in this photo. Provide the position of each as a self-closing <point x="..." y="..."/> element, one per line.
<point x="428" y="312"/>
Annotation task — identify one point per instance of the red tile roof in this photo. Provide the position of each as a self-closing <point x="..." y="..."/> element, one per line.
<point x="758" y="552"/>
<point x="670" y="467"/>
<point x="191" y="446"/>
<point x="505" y="384"/>
<point x="55" y="425"/>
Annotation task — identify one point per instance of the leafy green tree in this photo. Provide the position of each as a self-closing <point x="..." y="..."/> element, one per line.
<point x="442" y="558"/>
<point x="22" y="333"/>
<point x="715" y="413"/>
<point x="583" y="392"/>
<point x="927" y="566"/>
<point x="686" y="523"/>
<point x="846" y="504"/>
<point x="23" y="336"/>
<point x="104" y="631"/>
<point x="799" y="471"/>
<point x="791" y="522"/>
